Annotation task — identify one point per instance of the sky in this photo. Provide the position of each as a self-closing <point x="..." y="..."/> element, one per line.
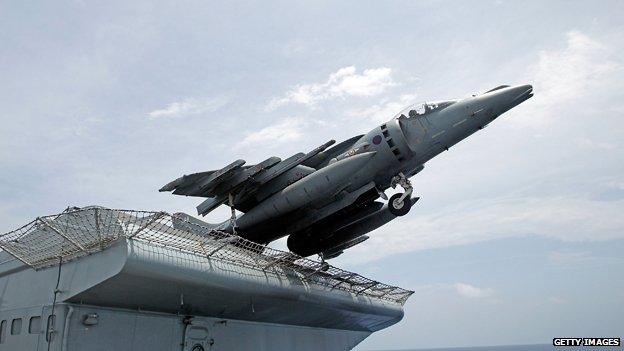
<point x="519" y="233"/>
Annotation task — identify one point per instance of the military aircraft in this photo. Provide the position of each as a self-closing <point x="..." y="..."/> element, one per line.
<point x="327" y="200"/>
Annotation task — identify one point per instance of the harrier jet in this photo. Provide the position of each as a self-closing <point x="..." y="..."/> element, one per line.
<point x="327" y="200"/>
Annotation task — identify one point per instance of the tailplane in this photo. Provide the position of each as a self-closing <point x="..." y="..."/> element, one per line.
<point x="187" y="222"/>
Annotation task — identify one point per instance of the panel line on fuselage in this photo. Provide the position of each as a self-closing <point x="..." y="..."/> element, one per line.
<point x="438" y="134"/>
<point x="460" y="122"/>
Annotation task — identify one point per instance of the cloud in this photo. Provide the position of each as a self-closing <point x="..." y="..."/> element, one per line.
<point x="583" y="67"/>
<point x="342" y="83"/>
<point x="556" y="300"/>
<point x="563" y="218"/>
<point x="470" y="291"/>
<point x="285" y="130"/>
<point x="586" y="143"/>
<point x="460" y="288"/>
<point x="566" y="258"/>
<point x="384" y="110"/>
<point x="187" y="107"/>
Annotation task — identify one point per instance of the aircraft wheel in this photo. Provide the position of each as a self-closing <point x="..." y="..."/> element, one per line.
<point x="397" y="207"/>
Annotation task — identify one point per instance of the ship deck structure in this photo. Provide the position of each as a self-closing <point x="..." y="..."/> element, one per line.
<point x="100" y="279"/>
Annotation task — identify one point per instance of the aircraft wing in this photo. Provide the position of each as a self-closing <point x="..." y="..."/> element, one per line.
<point x="235" y="179"/>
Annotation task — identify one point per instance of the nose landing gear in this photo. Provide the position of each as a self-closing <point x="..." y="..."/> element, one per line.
<point x="400" y="204"/>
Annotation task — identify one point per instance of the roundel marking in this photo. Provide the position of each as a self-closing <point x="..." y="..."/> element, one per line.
<point x="377" y="139"/>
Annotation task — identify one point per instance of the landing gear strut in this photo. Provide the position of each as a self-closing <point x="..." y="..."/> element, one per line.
<point x="233" y="217"/>
<point x="400" y="204"/>
<point x="324" y="265"/>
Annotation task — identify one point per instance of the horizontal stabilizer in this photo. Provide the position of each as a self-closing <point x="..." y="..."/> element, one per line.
<point x="183" y="221"/>
<point x="202" y="183"/>
<point x="185" y="181"/>
<point x="199" y="184"/>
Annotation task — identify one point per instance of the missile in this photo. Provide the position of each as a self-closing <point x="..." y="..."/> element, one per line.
<point x="306" y="245"/>
<point x="317" y="186"/>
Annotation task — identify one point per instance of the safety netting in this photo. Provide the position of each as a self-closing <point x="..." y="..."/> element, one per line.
<point x="77" y="232"/>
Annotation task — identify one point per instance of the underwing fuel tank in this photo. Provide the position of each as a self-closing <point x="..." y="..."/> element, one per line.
<point x="313" y="244"/>
<point x="318" y="186"/>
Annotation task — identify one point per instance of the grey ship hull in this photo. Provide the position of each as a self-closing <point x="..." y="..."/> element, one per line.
<point x="137" y="294"/>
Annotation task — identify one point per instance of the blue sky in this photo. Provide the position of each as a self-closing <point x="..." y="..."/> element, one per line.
<point x="519" y="232"/>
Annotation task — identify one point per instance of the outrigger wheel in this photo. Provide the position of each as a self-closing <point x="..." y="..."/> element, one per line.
<point x="400" y="204"/>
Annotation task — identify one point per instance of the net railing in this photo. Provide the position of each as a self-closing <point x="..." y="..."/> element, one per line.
<point x="78" y="232"/>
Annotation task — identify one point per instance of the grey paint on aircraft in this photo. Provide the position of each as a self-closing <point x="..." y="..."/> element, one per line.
<point x="323" y="187"/>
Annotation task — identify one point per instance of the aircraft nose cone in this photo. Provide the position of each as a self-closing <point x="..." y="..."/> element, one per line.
<point x="505" y="99"/>
<point x="519" y="94"/>
<point x="522" y="89"/>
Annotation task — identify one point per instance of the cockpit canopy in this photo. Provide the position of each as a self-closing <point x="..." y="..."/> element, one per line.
<point x="423" y="108"/>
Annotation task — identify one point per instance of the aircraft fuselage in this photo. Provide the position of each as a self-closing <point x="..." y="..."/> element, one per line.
<point x="325" y="199"/>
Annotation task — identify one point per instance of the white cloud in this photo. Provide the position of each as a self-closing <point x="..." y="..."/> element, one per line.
<point x="583" y="67"/>
<point x="187" y="107"/>
<point x="567" y="257"/>
<point x="564" y="218"/>
<point x="459" y="288"/>
<point x="587" y="143"/>
<point x="470" y="291"/>
<point x="344" y="82"/>
<point x="285" y="130"/>
<point x="556" y="300"/>
<point x="561" y="77"/>
<point x="384" y="110"/>
<point x="616" y="184"/>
